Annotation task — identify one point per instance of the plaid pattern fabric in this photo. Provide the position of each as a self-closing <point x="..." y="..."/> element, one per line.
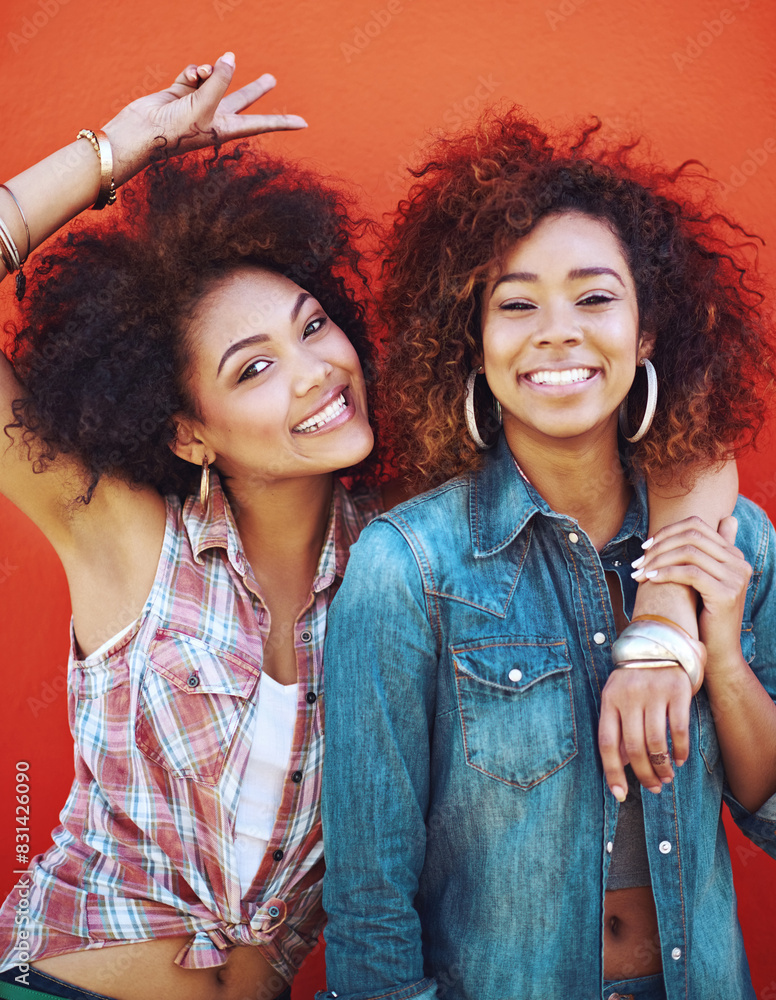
<point x="162" y="723"/>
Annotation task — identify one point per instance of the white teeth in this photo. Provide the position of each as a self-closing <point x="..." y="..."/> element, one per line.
<point x="323" y="417"/>
<point x="564" y="377"/>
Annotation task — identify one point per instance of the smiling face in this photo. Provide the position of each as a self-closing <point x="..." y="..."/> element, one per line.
<point x="279" y="387"/>
<point x="560" y="332"/>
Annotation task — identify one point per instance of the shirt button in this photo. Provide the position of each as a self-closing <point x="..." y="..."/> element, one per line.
<point x="665" y="847"/>
<point x="306" y="636"/>
<point x="310" y="697"/>
<point x="278" y="855"/>
<point x="515" y="675"/>
<point x="599" y="638"/>
<point x="273" y="911"/>
<point x="676" y="954"/>
<point x="193" y="681"/>
<point x="609" y="847"/>
<point x="296" y="777"/>
<point x="573" y="537"/>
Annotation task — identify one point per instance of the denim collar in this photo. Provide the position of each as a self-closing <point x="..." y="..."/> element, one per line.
<point x="502" y="503"/>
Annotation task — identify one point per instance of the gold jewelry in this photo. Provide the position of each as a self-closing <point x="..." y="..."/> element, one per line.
<point x="204" y="486"/>
<point x="21" y="279"/>
<point x="101" y="145"/>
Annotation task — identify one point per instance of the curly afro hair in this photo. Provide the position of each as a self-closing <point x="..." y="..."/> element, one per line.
<point x="480" y="192"/>
<point x="102" y="350"/>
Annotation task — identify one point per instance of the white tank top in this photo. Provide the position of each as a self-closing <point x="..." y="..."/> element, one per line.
<point x="265" y="773"/>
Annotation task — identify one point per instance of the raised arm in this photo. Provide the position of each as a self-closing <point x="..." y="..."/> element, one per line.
<point x="188" y="115"/>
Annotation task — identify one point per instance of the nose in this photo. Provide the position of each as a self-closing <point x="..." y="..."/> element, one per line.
<point x="312" y="369"/>
<point x="559" y="326"/>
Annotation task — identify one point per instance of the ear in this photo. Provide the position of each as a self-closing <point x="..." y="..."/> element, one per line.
<point x="647" y="339"/>
<point x="188" y="442"/>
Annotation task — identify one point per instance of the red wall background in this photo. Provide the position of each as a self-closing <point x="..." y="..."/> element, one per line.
<point x="372" y="77"/>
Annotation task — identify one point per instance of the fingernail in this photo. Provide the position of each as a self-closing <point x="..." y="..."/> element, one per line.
<point x="656" y="789"/>
<point x="667" y="779"/>
<point x="648" y="544"/>
<point x="637" y="562"/>
<point x="638" y="574"/>
<point x="296" y="121"/>
<point x="651" y="574"/>
<point x="619" y="793"/>
<point x="228" y="58"/>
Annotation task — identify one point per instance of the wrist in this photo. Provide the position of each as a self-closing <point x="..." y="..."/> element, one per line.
<point x="131" y="152"/>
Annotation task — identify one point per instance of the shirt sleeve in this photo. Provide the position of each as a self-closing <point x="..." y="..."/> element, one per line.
<point x="380" y="666"/>
<point x="758" y="541"/>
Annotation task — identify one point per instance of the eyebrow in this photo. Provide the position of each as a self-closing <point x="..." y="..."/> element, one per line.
<point x="578" y="272"/>
<point x="260" y="338"/>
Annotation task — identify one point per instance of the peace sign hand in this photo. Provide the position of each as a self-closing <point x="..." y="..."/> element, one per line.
<point x="189" y="115"/>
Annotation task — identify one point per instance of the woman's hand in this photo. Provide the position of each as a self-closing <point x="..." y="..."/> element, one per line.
<point x="637" y="703"/>
<point x="692" y="553"/>
<point x="188" y="113"/>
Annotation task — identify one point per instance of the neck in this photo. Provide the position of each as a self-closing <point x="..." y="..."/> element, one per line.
<point x="582" y="478"/>
<point x="282" y="524"/>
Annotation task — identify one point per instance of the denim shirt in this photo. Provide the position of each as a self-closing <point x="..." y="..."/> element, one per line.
<point x="467" y="823"/>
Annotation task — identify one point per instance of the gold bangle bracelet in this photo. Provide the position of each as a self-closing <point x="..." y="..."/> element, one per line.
<point x="101" y="145"/>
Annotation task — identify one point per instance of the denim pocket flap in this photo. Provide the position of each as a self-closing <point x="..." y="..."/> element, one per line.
<point x="513" y="664"/>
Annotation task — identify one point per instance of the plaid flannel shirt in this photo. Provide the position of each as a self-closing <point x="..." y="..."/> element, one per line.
<point x="162" y="722"/>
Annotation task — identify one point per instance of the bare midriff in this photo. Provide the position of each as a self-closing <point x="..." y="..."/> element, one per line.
<point x="631" y="938"/>
<point x="141" y="970"/>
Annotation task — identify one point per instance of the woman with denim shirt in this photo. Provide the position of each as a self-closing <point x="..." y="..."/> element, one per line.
<point x="506" y="814"/>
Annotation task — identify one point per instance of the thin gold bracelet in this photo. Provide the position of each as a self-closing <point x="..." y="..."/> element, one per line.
<point x="101" y="146"/>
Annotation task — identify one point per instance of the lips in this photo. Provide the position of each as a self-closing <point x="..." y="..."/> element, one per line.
<point x="563" y="376"/>
<point x="324" y="416"/>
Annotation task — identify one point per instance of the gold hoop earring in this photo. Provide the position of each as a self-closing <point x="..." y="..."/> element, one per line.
<point x="649" y="411"/>
<point x="204" y="485"/>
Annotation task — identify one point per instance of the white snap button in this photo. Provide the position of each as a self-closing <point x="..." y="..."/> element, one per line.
<point x="609" y="847"/>
<point x="515" y="675"/>
<point x="665" y="847"/>
<point x="573" y="537"/>
<point x="599" y="638"/>
<point x="676" y="954"/>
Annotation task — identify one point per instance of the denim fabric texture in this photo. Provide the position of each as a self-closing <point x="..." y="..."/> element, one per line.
<point x="465" y="811"/>
<point x="37" y="983"/>
<point x="643" y="988"/>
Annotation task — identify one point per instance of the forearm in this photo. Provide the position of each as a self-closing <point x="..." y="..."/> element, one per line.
<point x="51" y="193"/>
<point x="745" y="719"/>
<point x="712" y="497"/>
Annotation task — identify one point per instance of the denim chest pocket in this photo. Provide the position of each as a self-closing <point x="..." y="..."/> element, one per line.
<point x="708" y="743"/>
<point x="516" y="706"/>
<point x="189" y="706"/>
